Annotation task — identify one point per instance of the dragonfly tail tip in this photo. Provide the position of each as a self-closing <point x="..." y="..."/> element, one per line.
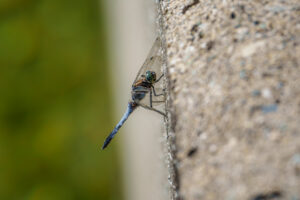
<point x="104" y="146"/>
<point x="106" y="142"/>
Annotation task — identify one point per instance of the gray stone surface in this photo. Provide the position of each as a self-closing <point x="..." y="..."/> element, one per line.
<point x="234" y="86"/>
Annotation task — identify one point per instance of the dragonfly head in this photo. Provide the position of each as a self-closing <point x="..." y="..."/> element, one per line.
<point x="150" y="76"/>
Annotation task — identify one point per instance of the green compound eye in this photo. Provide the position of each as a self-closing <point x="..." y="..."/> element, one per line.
<point x="150" y="76"/>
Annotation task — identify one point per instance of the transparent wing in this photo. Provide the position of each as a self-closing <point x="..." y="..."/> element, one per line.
<point x="153" y="61"/>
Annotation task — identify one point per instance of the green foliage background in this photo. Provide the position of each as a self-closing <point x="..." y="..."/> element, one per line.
<point x="55" y="102"/>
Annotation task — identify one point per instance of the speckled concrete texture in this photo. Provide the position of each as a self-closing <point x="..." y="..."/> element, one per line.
<point x="234" y="75"/>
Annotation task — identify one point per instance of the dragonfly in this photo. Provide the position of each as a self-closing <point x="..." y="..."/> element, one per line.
<point x="144" y="90"/>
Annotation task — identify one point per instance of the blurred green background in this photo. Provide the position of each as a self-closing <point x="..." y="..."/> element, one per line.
<point x="55" y="106"/>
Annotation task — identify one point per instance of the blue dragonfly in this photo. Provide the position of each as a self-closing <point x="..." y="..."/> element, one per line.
<point x="144" y="88"/>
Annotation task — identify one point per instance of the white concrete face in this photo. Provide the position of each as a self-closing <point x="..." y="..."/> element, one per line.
<point x="132" y="31"/>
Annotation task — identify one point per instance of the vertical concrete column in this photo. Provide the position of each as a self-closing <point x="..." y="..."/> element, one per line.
<point x="233" y="69"/>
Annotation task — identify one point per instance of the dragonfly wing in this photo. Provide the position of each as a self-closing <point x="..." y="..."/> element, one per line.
<point x="153" y="61"/>
<point x="130" y="108"/>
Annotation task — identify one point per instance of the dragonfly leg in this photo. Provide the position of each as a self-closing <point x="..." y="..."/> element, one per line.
<point x="158" y="101"/>
<point x="155" y="92"/>
<point x="151" y="98"/>
<point x="159" y="78"/>
<point x="153" y="109"/>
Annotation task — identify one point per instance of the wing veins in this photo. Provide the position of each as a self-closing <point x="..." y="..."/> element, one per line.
<point x="151" y="58"/>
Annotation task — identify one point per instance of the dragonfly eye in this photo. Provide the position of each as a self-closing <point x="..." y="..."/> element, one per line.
<point x="150" y="76"/>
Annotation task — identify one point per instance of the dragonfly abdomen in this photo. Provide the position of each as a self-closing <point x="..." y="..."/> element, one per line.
<point x="130" y="108"/>
<point x="137" y="96"/>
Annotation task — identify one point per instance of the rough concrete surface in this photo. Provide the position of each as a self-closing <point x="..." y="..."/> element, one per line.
<point x="233" y="69"/>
